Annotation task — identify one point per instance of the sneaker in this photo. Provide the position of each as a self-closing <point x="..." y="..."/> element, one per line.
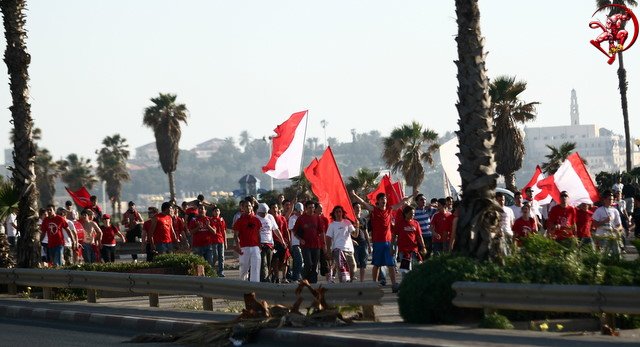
<point x="221" y="275"/>
<point x="383" y="283"/>
<point x="395" y="288"/>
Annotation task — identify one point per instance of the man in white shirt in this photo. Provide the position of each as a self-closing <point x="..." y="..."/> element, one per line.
<point x="11" y="228"/>
<point x="339" y="243"/>
<point x="296" y="251"/>
<point x="506" y="219"/>
<point x="267" y="230"/>
<point x="608" y="225"/>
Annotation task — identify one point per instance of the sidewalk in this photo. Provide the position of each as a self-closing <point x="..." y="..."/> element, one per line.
<point x="148" y="319"/>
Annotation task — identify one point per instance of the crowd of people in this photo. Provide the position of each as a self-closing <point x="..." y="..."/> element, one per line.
<point x="286" y="241"/>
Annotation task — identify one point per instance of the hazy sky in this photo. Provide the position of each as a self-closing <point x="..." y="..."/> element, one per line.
<point x="250" y="64"/>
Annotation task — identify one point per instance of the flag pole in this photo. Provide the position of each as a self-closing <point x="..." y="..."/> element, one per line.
<point x="304" y="138"/>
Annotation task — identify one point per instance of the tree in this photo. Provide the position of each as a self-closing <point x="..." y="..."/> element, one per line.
<point x="622" y="76"/>
<point x="407" y="148"/>
<point x="479" y="213"/>
<point x="47" y="171"/>
<point x="245" y="139"/>
<point x="300" y="189"/>
<point x="112" y="168"/>
<point x="24" y="149"/>
<point x="363" y="182"/>
<point x="507" y="110"/>
<point x="323" y="124"/>
<point x="77" y="172"/>
<point x="164" y="117"/>
<point x="557" y="157"/>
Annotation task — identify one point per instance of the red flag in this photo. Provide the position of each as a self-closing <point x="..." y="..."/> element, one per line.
<point x="286" y="148"/>
<point x="392" y="190"/>
<point x="81" y="197"/>
<point x="327" y="185"/>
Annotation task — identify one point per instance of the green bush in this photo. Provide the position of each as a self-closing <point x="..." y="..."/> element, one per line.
<point x="425" y="293"/>
<point x="495" y="321"/>
<point x="181" y="263"/>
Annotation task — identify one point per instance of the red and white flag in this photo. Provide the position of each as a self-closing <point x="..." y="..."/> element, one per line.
<point x="286" y="148"/>
<point x="572" y="176"/>
<point x="542" y="196"/>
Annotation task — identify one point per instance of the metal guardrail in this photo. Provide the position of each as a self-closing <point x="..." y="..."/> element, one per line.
<point x="548" y="297"/>
<point x="358" y="294"/>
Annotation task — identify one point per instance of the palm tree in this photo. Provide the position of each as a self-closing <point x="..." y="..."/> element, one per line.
<point x="507" y="110"/>
<point x="164" y="117"/>
<point x="557" y="157"/>
<point x="47" y="171"/>
<point x="24" y="149"/>
<point x="112" y="167"/>
<point x="407" y="148"/>
<point x="300" y="189"/>
<point x="77" y="172"/>
<point x="363" y="181"/>
<point x="479" y="213"/>
<point x="323" y="124"/>
<point x="622" y="76"/>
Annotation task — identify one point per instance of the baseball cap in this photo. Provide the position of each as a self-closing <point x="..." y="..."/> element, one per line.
<point x="106" y="216"/>
<point x="298" y="207"/>
<point x="263" y="208"/>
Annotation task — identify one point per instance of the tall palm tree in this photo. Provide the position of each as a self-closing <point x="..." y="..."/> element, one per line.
<point x="479" y="213"/>
<point x="363" y="181"/>
<point x="245" y="139"/>
<point x="112" y="168"/>
<point x="300" y="189"/>
<point x="407" y="148"/>
<point x="24" y="149"/>
<point x="557" y="157"/>
<point x="622" y="76"/>
<point x="77" y="172"/>
<point x="164" y="117"/>
<point x="507" y="110"/>
<point x="47" y="171"/>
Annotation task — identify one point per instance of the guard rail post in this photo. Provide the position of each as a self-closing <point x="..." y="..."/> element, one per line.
<point x="154" y="300"/>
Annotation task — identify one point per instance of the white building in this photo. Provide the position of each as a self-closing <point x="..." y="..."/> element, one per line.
<point x="601" y="148"/>
<point x="206" y="149"/>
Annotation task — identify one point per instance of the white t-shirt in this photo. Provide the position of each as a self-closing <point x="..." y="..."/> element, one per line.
<point x="67" y="238"/>
<point x="506" y="220"/>
<point x="268" y="226"/>
<point x="601" y="214"/>
<point x="10" y="230"/>
<point x="340" y="234"/>
<point x="292" y="222"/>
<point x="517" y="211"/>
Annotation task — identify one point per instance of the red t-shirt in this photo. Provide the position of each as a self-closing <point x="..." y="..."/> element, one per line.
<point x="202" y="236"/>
<point x="583" y="222"/>
<point x="309" y="226"/>
<point x="53" y="226"/>
<point x="163" y="233"/>
<point x="79" y="230"/>
<point x="409" y="233"/>
<point x="221" y="229"/>
<point x="178" y="227"/>
<point x="523" y="228"/>
<point x="109" y="235"/>
<point x="324" y="226"/>
<point x="380" y="225"/>
<point x="441" y="225"/>
<point x="248" y="228"/>
<point x="284" y="227"/>
<point x="566" y="218"/>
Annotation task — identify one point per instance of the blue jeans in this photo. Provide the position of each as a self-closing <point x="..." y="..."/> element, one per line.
<point x="296" y="254"/>
<point x="218" y="252"/>
<point x="204" y="251"/>
<point x="56" y="254"/>
<point x="88" y="254"/>
<point x="164" y="248"/>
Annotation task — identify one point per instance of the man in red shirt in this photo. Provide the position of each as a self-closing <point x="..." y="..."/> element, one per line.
<point x="525" y="225"/>
<point x="584" y="220"/>
<point x="441" y="225"/>
<point x="162" y="232"/>
<point x="219" y="239"/>
<point x="53" y="226"/>
<point x="380" y="215"/>
<point x="408" y="236"/>
<point x="147" y="232"/>
<point x="308" y="229"/>
<point x="132" y="223"/>
<point x="281" y="246"/>
<point x="109" y="233"/>
<point x="325" y="258"/>
<point x="561" y="224"/>
<point x="246" y="233"/>
<point x="202" y="235"/>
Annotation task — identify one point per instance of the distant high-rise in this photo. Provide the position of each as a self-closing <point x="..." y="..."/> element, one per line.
<point x="575" y="114"/>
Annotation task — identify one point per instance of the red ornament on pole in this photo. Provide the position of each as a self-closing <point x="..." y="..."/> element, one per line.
<point x="613" y="31"/>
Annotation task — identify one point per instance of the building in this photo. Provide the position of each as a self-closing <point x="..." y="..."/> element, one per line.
<point x="601" y="148"/>
<point x="147" y="152"/>
<point x="206" y="149"/>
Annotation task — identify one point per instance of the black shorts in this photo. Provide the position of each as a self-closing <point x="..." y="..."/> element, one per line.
<point x="280" y="251"/>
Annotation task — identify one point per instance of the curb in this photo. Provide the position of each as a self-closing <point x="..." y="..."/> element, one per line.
<point x="156" y="325"/>
<point x="288" y="336"/>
